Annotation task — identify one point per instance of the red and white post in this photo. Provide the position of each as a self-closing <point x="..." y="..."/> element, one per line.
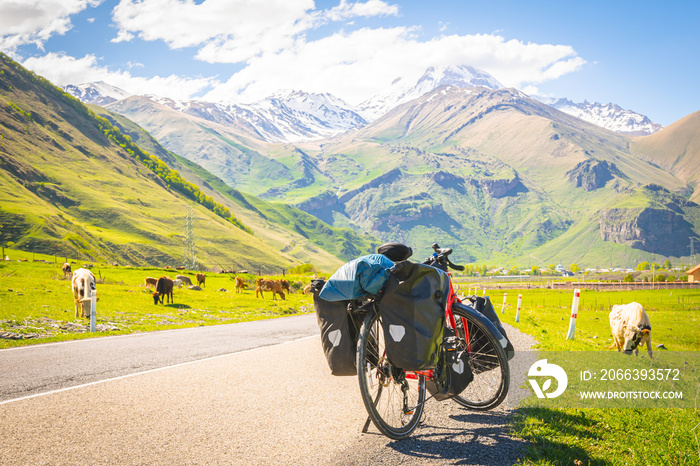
<point x="574" y="314"/>
<point x="503" y="309"/>
<point x="517" y="313"/>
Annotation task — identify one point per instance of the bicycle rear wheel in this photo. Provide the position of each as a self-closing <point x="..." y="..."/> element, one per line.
<point x="394" y="400"/>
<point x="488" y="362"/>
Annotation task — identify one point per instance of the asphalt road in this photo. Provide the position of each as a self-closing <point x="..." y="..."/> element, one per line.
<point x="250" y="403"/>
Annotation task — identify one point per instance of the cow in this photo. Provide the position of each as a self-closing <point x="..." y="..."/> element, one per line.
<point x="150" y="281"/>
<point x="185" y="279"/>
<point x="164" y="287"/>
<point x="83" y="284"/>
<point x="240" y="285"/>
<point x="285" y="286"/>
<point x="630" y="328"/>
<point x="308" y="289"/>
<point x="269" y="285"/>
<point x="200" y="279"/>
<point x="66" y="269"/>
<point x="178" y="283"/>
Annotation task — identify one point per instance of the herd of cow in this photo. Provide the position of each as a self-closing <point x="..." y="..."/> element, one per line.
<point x="629" y="323"/>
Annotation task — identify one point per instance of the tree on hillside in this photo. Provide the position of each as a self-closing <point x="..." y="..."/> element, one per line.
<point x="655" y="266"/>
<point x="667" y="264"/>
<point x="534" y="270"/>
<point x="575" y="268"/>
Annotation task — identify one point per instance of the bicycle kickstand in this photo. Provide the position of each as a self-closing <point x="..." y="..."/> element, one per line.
<point x="366" y="426"/>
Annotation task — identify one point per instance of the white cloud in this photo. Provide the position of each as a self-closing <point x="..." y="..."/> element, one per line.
<point x="353" y="67"/>
<point x="224" y="30"/>
<point x="35" y="21"/>
<point x="62" y="69"/>
<point x="347" y="10"/>
<point x="232" y="31"/>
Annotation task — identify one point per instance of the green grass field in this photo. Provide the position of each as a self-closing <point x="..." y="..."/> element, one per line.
<point x="36" y="302"/>
<point x="606" y="436"/>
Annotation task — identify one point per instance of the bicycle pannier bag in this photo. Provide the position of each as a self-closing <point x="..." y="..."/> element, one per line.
<point x="339" y="333"/>
<point x="453" y="373"/>
<point x="413" y="315"/>
<point x="483" y="305"/>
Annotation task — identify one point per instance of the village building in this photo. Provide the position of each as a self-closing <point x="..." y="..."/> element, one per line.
<point x="694" y="274"/>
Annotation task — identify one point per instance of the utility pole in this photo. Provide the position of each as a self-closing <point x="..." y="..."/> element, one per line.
<point x="692" y="251"/>
<point x="190" y="257"/>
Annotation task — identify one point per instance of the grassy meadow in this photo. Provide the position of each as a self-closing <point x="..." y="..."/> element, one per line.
<point x="36" y="301"/>
<point x="606" y="436"/>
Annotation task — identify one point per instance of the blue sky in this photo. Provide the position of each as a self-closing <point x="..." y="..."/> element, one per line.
<point x="640" y="55"/>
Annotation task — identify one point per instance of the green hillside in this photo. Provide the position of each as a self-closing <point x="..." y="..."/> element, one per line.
<point x="297" y="233"/>
<point x="73" y="185"/>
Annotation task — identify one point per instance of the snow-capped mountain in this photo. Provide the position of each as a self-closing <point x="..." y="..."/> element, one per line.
<point x="286" y="116"/>
<point x="402" y="90"/>
<point x="609" y="116"/>
<point x="98" y="93"/>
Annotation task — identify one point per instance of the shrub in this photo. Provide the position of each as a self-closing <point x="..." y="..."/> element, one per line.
<point x="628" y="279"/>
<point x="302" y="269"/>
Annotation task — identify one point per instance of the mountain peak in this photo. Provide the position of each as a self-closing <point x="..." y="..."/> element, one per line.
<point x="98" y="92"/>
<point x="401" y="90"/>
<point x="610" y="116"/>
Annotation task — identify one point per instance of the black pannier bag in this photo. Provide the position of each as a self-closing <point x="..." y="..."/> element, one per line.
<point x="339" y="331"/>
<point x="483" y="305"/>
<point x="453" y="373"/>
<point x="413" y="315"/>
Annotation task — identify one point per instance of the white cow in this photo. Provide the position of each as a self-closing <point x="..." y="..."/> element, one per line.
<point x="630" y="328"/>
<point x="83" y="282"/>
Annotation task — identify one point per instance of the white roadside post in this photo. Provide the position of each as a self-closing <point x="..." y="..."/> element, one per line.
<point x="503" y="309"/>
<point x="517" y="313"/>
<point x="93" y="309"/>
<point x="483" y="292"/>
<point x="574" y="314"/>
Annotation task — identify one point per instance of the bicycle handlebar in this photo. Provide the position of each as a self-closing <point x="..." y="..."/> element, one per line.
<point x="440" y="256"/>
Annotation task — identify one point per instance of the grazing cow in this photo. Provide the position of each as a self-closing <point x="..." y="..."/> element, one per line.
<point x="269" y="285"/>
<point x="164" y="287"/>
<point x="285" y="285"/>
<point x="178" y="283"/>
<point x="83" y="283"/>
<point x="200" y="279"/>
<point x="185" y="279"/>
<point x="66" y="269"/>
<point x="240" y="285"/>
<point x="630" y="328"/>
<point x="150" y="281"/>
<point x="308" y="289"/>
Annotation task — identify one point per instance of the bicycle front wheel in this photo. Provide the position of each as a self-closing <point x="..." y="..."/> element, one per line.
<point x="394" y="399"/>
<point x="488" y="362"/>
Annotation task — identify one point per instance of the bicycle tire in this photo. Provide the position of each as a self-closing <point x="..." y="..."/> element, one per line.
<point x="394" y="403"/>
<point x="489" y="365"/>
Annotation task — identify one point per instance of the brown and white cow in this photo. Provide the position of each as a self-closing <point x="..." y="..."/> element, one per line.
<point x="150" y="281"/>
<point x="164" y="287"/>
<point x="269" y="285"/>
<point x="240" y="285"/>
<point x="200" y="279"/>
<point x="66" y="269"/>
<point x="630" y="328"/>
<point x="83" y="284"/>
